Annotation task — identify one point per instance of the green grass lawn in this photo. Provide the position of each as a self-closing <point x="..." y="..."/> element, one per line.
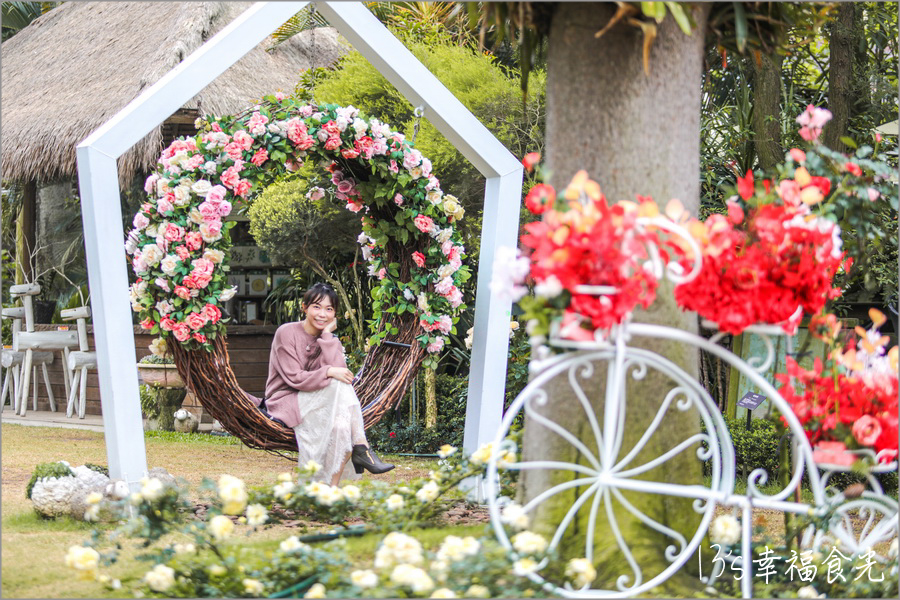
<point x="33" y="549"/>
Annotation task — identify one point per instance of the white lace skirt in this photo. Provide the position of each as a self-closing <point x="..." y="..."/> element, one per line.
<point x="331" y="424"/>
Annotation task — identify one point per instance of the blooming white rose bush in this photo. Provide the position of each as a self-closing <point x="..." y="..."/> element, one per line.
<point x="180" y="237"/>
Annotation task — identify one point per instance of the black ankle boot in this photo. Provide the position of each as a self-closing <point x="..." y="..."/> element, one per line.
<point x="364" y="458"/>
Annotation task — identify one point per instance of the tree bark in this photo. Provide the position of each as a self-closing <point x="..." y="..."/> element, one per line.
<point x="430" y="398"/>
<point x="840" y="76"/>
<point x="767" y="110"/>
<point x="635" y="134"/>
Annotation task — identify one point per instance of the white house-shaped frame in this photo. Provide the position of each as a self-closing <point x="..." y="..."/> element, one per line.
<point x="102" y="215"/>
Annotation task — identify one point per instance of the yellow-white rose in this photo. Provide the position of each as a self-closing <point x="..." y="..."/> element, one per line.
<point x="312" y="466"/>
<point x="394" y="502"/>
<point x="581" y="572"/>
<point x="214" y="256"/>
<point x="184" y="548"/>
<point x="220" y="527"/>
<point x="443" y="593"/>
<point x="428" y="492"/>
<point x="477" y="591"/>
<point x="253" y="587"/>
<point x="524" y="566"/>
<point x="257" y="515"/>
<point x="450" y="205"/>
<point x="364" y="579"/>
<point x="514" y="515"/>
<point x="160" y="579"/>
<point x="446" y="450"/>
<point x="351" y="493"/>
<point x="285" y="476"/>
<point x="527" y="542"/>
<point x="316" y="591"/>
<point x="483" y="454"/>
<point x="725" y="530"/>
<point x="291" y="544"/>
<point x="151" y="489"/>
<point x="233" y="494"/>
<point x="434" y="197"/>
<point x="84" y="560"/>
<point x="216" y="570"/>
<point x="412" y="577"/>
<point x="284" y="490"/>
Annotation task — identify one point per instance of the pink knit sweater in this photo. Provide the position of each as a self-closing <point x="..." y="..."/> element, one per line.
<point x="289" y="371"/>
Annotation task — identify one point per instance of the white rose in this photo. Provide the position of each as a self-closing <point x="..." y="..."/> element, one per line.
<point x="312" y="466"/>
<point x="351" y="493"/>
<point x="168" y="265"/>
<point x="444" y="235"/>
<point x="412" y="577"/>
<point x="152" y="254"/>
<point x="94" y="498"/>
<point x="809" y="591"/>
<point x="256" y="515"/>
<point x="483" y="454"/>
<point x="151" y="489"/>
<point x="515" y="516"/>
<point x="84" y="559"/>
<point x="524" y="566"/>
<point x="450" y="206"/>
<point x="548" y="288"/>
<point x="158" y="347"/>
<point x="443" y="593"/>
<point x="162" y="186"/>
<point x="364" y="579"/>
<point x="725" y="530"/>
<point x="209" y="167"/>
<point x="160" y="579"/>
<point x="428" y="492"/>
<point x="477" y="591"/>
<point x="527" y="542"/>
<point x="201" y="187"/>
<point x="316" y="591"/>
<point x="182" y="194"/>
<point x="285" y="476"/>
<point x="446" y="450"/>
<point x="253" y="587"/>
<point x="216" y="570"/>
<point x="581" y="572"/>
<point x="398" y="548"/>
<point x="164" y="307"/>
<point x="184" y="548"/>
<point x="415" y="172"/>
<point x="195" y="216"/>
<point x="434" y="197"/>
<point x="456" y="548"/>
<point x="360" y="126"/>
<point x="394" y="502"/>
<point x="233" y="494"/>
<point x="152" y="230"/>
<point x="220" y="527"/>
<point x="291" y="544"/>
<point x="228" y="293"/>
<point x="284" y="490"/>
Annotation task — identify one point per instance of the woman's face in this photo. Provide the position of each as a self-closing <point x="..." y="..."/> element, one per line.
<point x="320" y="313"/>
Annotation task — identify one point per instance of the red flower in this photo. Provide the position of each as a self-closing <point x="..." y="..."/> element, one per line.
<point x="392" y="434"/>
<point x="745" y="185"/>
<point x="531" y="160"/>
<point x="147" y="323"/>
<point x="853" y="168"/>
<point x="540" y="198"/>
<point x="419" y="259"/>
<point x="823" y="183"/>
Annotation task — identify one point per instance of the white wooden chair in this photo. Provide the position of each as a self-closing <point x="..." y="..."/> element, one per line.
<point x="80" y="361"/>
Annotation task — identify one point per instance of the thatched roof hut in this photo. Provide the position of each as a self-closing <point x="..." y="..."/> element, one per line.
<point x="76" y="66"/>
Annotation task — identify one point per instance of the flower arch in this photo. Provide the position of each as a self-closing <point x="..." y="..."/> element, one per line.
<point x="179" y="246"/>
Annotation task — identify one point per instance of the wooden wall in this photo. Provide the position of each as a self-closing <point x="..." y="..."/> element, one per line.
<point x="248" y="351"/>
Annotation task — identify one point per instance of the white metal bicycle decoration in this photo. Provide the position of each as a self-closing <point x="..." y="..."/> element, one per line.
<point x="610" y="470"/>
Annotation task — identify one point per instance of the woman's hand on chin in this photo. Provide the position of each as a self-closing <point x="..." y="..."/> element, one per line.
<point x="340" y="374"/>
<point x="332" y="325"/>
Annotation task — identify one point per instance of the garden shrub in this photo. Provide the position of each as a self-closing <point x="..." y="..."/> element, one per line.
<point x="53" y="469"/>
<point x="97" y="468"/>
<point x="149" y="403"/>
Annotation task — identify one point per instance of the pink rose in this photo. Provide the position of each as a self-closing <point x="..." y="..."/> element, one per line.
<point x="866" y="430"/>
<point x="234" y="150"/>
<point x="354" y="206"/>
<point x="412" y="159"/>
<point x="181" y="331"/>
<point x="148" y="323"/>
<point x="162" y="284"/>
<point x="202" y="266"/>
<point x="261" y="156"/>
<point x="196" y="321"/>
<point x="833" y="453"/>
<point x="436" y="346"/>
<point x="296" y="130"/>
<point x="167" y="323"/>
<point x="444" y="324"/>
<point x="211" y="230"/>
<point x="163" y="205"/>
<point x="798" y="155"/>
<point x="305" y="143"/>
<point x="193" y="240"/>
<point x="199" y="337"/>
<point x="419" y="259"/>
<point x="349" y="153"/>
<point x="454" y="297"/>
<point x="230" y="177"/>
<point x="424" y="223"/>
<point x="345" y="186"/>
<point x="224" y="208"/>
<point x="194" y="162"/>
<point x="244" y="139"/>
<point x="141" y="220"/>
<point x="382" y="273"/>
<point x="333" y="143"/>
<point x="150" y="183"/>
<point x="182" y="252"/>
<point x="173" y="232"/>
<point x="243" y="186"/>
<point x="209" y="210"/>
<point x="212" y="313"/>
<point x="398" y="200"/>
<point x="216" y="194"/>
<point x="394" y="168"/>
<point x="182" y="292"/>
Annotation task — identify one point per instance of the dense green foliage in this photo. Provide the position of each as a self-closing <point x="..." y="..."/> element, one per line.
<point x="54" y="469"/>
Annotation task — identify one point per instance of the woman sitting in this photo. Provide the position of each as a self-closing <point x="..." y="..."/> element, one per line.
<point x="310" y="389"/>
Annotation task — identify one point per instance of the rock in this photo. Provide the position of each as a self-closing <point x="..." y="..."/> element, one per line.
<point x="58" y="496"/>
<point x="163" y="475"/>
<point x="185" y="421"/>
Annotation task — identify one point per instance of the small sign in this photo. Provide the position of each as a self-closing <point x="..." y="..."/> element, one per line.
<point x="62" y="328"/>
<point x="751" y="400"/>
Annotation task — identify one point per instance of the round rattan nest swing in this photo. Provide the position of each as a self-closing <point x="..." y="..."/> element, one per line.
<point x="417" y="228"/>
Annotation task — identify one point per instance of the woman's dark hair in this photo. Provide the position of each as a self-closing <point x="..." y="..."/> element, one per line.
<point x="317" y="292"/>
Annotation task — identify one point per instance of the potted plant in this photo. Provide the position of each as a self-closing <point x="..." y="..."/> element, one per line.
<point x="158" y="372"/>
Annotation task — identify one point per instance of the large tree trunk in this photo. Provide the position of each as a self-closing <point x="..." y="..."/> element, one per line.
<point x="635" y="134"/>
<point x="840" y="76"/>
<point x="767" y="110"/>
<point x="26" y="241"/>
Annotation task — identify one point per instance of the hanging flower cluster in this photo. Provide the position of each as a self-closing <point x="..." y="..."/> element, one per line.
<point x="763" y="267"/>
<point x="850" y="400"/>
<point x="179" y="244"/>
<point x="589" y="261"/>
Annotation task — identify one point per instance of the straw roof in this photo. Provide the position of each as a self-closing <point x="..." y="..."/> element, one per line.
<point x="76" y="66"/>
